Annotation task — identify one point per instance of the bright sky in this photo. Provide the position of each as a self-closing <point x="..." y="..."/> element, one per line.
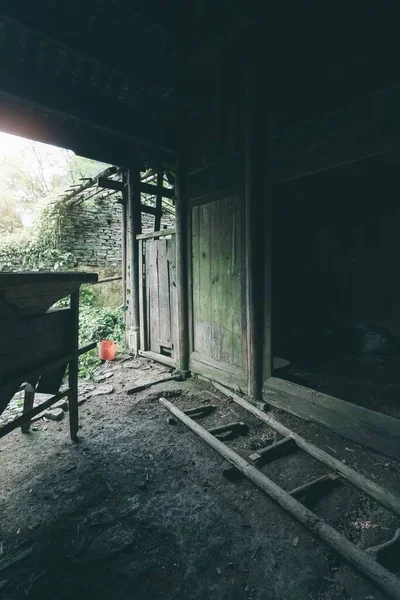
<point x="12" y="145"/>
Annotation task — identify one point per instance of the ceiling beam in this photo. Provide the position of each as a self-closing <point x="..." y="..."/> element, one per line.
<point x="368" y="128"/>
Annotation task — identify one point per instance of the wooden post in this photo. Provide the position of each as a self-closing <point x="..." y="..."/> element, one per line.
<point x="133" y="227"/>
<point x="123" y="240"/>
<point x="267" y="356"/>
<point x="181" y="226"/>
<point x="29" y="397"/>
<point x="157" y="217"/>
<point x="255" y="235"/>
<point x="73" y="367"/>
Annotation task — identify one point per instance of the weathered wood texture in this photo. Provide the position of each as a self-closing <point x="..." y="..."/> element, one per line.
<point x="34" y="293"/>
<point x="218" y="300"/>
<point x="133" y="227"/>
<point x="158" y="297"/>
<point x="382" y="578"/>
<point x="31" y="343"/>
<point x="361" y="425"/>
<point x="380" y="494"/>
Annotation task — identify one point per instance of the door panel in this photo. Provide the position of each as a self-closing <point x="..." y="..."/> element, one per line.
<point x="218" y="290"/>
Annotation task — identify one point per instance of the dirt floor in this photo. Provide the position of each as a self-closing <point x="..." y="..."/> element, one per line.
<point x="140" y="509"/>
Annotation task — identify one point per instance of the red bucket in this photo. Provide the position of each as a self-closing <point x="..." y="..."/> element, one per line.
<point x="107" y="349"/>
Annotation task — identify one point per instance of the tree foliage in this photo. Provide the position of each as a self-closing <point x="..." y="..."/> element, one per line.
<point x="31" y="175"/>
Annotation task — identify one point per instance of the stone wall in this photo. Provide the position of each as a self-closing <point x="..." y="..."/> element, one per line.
<point x="90" y="232"/>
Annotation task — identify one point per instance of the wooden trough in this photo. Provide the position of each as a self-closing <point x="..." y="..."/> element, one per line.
<point x="39" y="341"/>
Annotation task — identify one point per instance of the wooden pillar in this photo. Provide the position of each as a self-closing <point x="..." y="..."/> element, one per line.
<point x="133" y="227"/>
<point x="181" y="223"/>
<point x="158" y="215"/>
<point x="73" y="368"/>
<point x="255" y="133"/>
<point x="123" y="239"/>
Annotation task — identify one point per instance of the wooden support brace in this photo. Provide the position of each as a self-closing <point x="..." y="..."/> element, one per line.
<point x="145" y="386"/>
<point x="235" y="427"/>
<point x="203" y="410"/>
<point x="270" y="453"/>
<point x="35" y="411"/>
<point x="29" y="398"/>
<point x="313" y="490"/>
<point x="360" y="560"/>
<point x="388" y="553"/>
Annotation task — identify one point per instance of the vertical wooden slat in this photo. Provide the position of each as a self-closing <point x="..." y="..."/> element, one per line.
<point x="171" y="255"/>
<point x="133" y="228"/>
<point x="164" y="307"/>
<point x="123" y="241"/>
<point x="73" y="368"/>
<point x="157" y="218"/>
<point x="142" y="298"/>
<point x="254" y="198"/>
<point x="182" y="291"/>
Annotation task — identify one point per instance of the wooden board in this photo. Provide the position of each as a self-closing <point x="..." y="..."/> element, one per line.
<point x="218" y="300"/>
<point x="160" y="296"/>
<point x="31" y="343"/>
<point x="361" y="425"/>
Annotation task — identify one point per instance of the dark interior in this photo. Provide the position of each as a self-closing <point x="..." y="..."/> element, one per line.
<point x="336" y="290"/>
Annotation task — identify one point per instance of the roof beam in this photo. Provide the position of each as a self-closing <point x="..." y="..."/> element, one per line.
<point x="25" y="120"/>
<point x="368" y="128"/>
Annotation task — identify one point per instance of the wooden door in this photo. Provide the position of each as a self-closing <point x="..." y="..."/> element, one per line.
<point x="218" y="286"/>
<point x="158" y="299"/>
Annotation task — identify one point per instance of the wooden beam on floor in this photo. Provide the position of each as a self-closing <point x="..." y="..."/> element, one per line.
<point x="360" y="560"/>
<point x="361" y="425"/>
<point x="382" y="495"/>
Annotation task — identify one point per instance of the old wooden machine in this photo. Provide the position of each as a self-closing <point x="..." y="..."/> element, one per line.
<point x="39" y="342"/>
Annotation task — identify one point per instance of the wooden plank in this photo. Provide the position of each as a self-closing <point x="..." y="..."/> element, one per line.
<point x="226" y="300"/>
<point x="157" y="217"/>
<point x="385" y="497"/>
<point x="203" y="317"/>
<point x="282" y="448"/>
<point x="152" y="235"/>
<point x="255" y="135"/>
<point x="133" y="228"/>
<point x="171" y="256"/>
<point x="164" y="307"/>
<point x="73" y="368"/>
<point x="216" y="370"/>
<point x="161" y="358"/>
<point x="153" y="190"/>
<point x="35" y="411"/>
<point x="361" y="425"/>
<point x="181" y="223"/>
<point x="153" y="322"/>
<point x="12" y="280"/>
<point x="385" y="580"/>
<point x="110" y="184"/>
<point x="142" y="298"/>
<point x="239" y="313"/>
<point x="214" y="341"/>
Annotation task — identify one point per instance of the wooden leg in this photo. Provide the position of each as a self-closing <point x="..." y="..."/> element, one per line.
<point x="28" y="405"/>
<point x="73" y="370"/>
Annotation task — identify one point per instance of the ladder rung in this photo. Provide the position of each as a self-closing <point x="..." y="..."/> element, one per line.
<point x="320" y="484"/>
<point x="270" y="453"/>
